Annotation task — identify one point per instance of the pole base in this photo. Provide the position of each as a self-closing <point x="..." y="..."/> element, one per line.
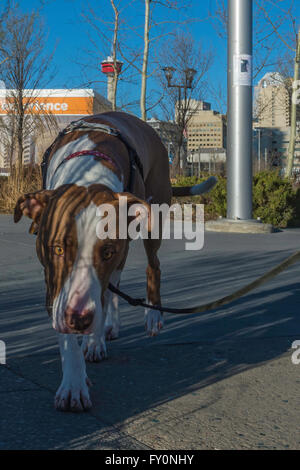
<point x="238" y="226"/>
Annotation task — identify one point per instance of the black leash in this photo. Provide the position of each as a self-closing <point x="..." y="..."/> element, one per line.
<point x="216" y="303"/>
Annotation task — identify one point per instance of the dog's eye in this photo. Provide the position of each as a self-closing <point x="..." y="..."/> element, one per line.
<point x="107" y="252"/>
<point x="58" y="250"/>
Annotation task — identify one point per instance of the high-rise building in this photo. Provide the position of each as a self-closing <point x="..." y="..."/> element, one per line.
<point x="273" y="101"/>
<point x="206" y="128"/>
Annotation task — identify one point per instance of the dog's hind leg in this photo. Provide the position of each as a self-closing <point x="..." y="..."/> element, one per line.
<point x="153" y="318"/>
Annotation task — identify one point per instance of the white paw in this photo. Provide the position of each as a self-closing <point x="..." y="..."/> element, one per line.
<point x="73" y="395"/>
<point x="94" y="348"/>
<point x="111" y="332"/>
<point x="153" y="322"/>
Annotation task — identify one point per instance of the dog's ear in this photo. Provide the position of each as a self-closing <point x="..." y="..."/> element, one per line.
<point x="137" y="207"/>
<point x="32" y="205"/>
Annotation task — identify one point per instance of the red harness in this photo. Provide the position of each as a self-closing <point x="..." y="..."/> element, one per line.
<point x="93" y="153"/>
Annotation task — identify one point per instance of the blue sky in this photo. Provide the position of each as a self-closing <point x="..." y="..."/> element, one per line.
<point x="71" y="35"/>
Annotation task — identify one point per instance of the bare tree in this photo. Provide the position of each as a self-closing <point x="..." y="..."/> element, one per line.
<point x="181" y="102"/>
<point x="116" y="38"/>
<point x="8" y="137"/>
<point x="145" y="60"/>
<point x="155" y="30"/>
<point x="114" y="53"/>
<point x="150" y="23"/>
<point x="25" y="72"/>
<point x="105" y="43"/>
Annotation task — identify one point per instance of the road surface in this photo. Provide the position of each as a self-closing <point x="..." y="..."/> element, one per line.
<point x="222" y="380"/>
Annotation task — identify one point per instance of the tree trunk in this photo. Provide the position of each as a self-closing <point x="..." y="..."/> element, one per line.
<point x="175" y="168"/>
<point x="20" y="149"/>
<point x="145" y="61"/>
<point x="291" y="150"/>
<point x="116" y="73"/>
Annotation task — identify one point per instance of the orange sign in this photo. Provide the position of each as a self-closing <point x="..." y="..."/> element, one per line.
<point x="51" y="105"/>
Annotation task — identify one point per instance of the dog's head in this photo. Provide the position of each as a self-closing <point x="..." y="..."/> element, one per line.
<point x="77" y="263"/>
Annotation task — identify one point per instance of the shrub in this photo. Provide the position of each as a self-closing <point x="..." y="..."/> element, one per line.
<point x="3" y="179"/>
<point x="214" y="201"/>
<point x="9" y="191"/>
<point x="274" y="199"/>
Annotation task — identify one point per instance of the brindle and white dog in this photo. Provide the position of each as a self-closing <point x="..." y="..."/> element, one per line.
<point x="78" y="266"/>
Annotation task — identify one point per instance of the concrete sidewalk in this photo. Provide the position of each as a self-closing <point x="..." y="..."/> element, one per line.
<point x="222" y="380"/>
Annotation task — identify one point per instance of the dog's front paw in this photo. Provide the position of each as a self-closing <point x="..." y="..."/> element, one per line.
<point x="154" y="322"/>
<point x="73" y="395"/>
<point x="94" y="348"/>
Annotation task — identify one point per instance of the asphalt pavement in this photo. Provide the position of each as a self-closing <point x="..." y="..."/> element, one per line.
<point x="220" y="380"/>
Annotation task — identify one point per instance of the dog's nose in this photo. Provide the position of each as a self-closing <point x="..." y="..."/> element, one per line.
<point x="79" y="321"/>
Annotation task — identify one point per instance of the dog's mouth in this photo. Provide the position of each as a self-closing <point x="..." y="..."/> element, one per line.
<point x="68" y="331"/>
<point x="64" y="328"/>
<point x="74" y="322"/>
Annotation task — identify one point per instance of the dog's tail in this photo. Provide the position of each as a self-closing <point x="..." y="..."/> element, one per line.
<point x="195" y="190"/>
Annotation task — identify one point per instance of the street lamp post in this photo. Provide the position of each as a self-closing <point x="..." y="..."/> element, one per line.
<point x="189" y="74"/>
<point x="189" y="77"/>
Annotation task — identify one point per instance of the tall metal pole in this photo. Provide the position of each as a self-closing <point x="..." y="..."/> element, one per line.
<point x="239" y="130"/>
